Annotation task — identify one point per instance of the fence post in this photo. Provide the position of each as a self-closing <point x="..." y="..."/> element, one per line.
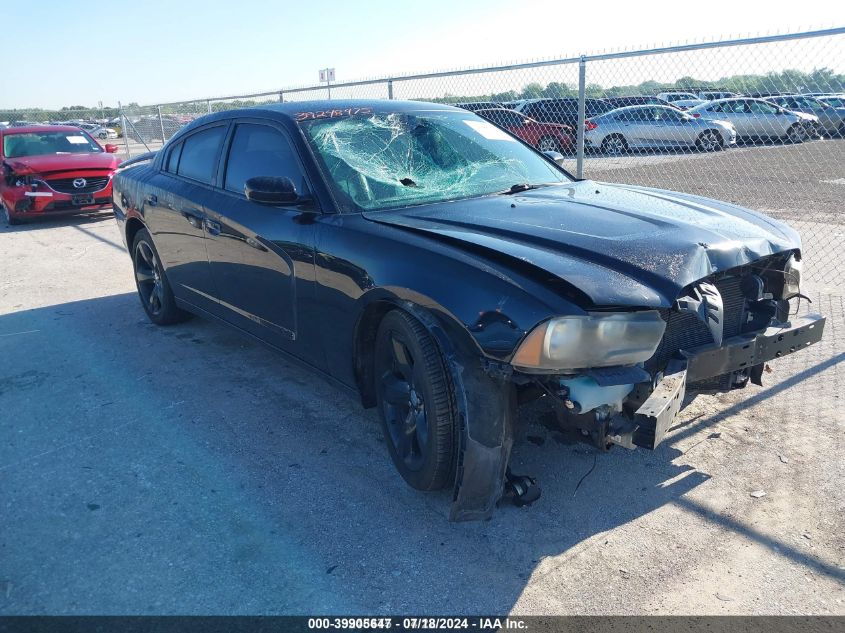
<point x="208" y="103"/>
<point x="582" y="115"/>
<point x="124" y="129"/>
<point x="281" y="96"/>
<point x="161" y="125"/>
<point x="389" y="88"/>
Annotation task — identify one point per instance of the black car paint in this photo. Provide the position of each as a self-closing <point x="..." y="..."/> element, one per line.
<point x="479" y="273"/>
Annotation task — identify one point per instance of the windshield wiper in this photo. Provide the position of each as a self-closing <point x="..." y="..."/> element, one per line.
<point x="519" y="188"/>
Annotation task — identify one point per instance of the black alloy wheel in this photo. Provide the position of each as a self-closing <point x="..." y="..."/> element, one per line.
<point x="414" y="397"/>
<point x="153" y="288"/>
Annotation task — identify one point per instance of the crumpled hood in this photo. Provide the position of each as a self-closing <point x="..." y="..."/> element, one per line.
<point x="66" y="162"/>
<point x="620" y="245"/>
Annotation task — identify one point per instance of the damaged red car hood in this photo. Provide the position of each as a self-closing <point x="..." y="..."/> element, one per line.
<point x="620" y="245"/>
<point x="65" y="162"/>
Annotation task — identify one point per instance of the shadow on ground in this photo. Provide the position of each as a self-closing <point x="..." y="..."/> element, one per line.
<point x="186" y="470"/>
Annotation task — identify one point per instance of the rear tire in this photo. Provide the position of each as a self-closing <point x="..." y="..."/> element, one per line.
<point x="153" y="288"/>
<point x="415" y="402"/>
<point x="614" y="145"/>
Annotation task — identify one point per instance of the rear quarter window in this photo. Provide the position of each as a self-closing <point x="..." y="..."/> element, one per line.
<point x="198" y="160"/>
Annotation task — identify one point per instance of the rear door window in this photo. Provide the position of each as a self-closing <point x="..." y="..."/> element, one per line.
<point x="199" y="154"/>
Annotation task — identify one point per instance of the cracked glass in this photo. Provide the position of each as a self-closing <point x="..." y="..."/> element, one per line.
<point x="389" y="160"/>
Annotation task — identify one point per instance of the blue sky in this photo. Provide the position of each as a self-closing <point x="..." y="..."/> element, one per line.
<point x="157" y="50"/>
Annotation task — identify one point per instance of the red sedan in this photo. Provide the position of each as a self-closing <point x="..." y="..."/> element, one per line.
<point x="547" y="137"/>
<point x="53" y="170"/>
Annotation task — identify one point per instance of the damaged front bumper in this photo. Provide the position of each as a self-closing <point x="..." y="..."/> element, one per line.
<point x="740" y="353"/>
<point x="642" y="418"/>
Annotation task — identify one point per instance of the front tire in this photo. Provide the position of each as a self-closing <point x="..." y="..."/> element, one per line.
<point x="153" y="288"/>
<point x="796" y="134"/>
<point x="709" y="141"/>
<point x="8" y="217"/>
<point x="415" y="402"/>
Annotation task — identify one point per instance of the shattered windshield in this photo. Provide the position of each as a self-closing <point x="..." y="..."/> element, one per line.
<point x="385" y="160"/>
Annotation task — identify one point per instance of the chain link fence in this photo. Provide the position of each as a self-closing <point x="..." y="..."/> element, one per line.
<point x="759" y="122"/>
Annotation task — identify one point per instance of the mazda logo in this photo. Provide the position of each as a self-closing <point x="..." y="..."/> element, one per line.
<point x="79" y="183"/>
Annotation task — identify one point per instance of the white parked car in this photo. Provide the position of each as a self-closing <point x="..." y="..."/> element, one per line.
<point x="712" y="95"/>
<point x="98" y="131"/>
<point x="671" y="97"/>
<point x="682" y="100"/>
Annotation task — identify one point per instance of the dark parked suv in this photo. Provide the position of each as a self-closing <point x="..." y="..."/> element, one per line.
<point x="563" y="111"/>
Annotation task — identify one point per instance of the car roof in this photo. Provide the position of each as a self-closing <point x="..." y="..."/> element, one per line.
<point x="642" y="106"/>
<point x="40" y="128"/>
<point x="291" y="109"/>
<point x="289" y="112"/>
<point x="508" y="110"/>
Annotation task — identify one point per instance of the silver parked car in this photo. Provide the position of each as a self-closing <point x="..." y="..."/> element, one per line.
<point x="95" y="129"/>
<point x="831" y="118"/>
<point x="835" y="99"/>
<point x="758" y="119"/>
<point x="654" y="127"/>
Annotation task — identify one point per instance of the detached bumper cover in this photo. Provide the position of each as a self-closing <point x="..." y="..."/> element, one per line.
<point x="656" y="414"/>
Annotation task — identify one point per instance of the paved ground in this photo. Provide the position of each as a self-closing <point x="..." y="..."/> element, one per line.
<point x="187" y="470"/>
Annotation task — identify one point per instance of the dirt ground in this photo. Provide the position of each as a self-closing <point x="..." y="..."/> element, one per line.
<point x="188" y="470"/>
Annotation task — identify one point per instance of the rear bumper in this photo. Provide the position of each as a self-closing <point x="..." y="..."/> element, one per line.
<point x="658" y="412"/>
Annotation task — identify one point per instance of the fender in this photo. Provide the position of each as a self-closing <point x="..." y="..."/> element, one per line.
<point x="486" y="422"/>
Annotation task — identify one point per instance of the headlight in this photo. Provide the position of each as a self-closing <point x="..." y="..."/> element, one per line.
<point x="593" y="340"/>
<point x="792" y="278"/>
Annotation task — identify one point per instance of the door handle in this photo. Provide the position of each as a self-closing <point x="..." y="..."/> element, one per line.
<point x="151" y="200"/>
<point x="212" y="227"/>
<point x="193" y="217"/>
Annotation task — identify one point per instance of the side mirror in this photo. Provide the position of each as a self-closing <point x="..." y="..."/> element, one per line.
<point x="557" y="157"/>
<point x="271" y="190"/>
<point x="111" y="149"/>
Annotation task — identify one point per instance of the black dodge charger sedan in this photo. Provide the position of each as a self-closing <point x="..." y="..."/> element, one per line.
<point x="447" y="272"/>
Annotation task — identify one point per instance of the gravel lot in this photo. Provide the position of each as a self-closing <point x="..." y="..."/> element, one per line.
<point x="187" y="470"/>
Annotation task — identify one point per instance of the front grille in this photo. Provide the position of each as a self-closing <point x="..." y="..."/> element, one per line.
<point x="684" y="330"/>
<point x="92" y="184"/>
